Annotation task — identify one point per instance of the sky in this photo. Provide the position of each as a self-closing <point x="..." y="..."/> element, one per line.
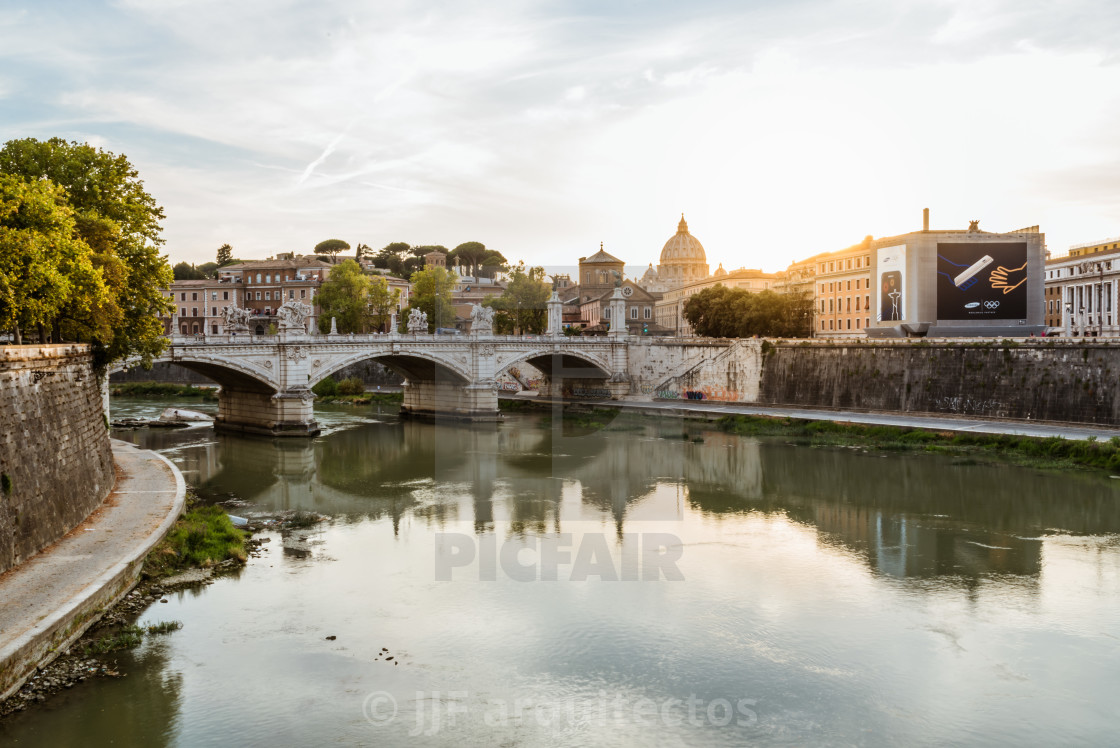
<point x="779" y="129"/>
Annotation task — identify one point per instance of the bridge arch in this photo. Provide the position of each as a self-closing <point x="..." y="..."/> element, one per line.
<point x="229" y="373"/>
<point x="414" y="366"/>
<point x="559" y="365"/>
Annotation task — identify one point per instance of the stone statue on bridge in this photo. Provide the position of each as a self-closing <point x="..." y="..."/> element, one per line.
<point x="236" y="320"/>
<point x="417" y="322"/>
<point x="293" y="315"/>
<point x="482" y="319"/>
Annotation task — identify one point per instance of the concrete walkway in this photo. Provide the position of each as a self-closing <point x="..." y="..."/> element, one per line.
<point x="52" y="598"/>
<point x="692" y="408"/>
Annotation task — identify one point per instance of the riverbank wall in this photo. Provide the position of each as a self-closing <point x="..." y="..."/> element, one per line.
<point x="1029" y="379"/>
<point x="56" y="464"/>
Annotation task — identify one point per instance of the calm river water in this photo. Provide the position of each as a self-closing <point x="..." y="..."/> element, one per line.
<point x="542" y="583"/>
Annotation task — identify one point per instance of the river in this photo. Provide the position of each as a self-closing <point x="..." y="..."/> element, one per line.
<point x="550" y="582"/>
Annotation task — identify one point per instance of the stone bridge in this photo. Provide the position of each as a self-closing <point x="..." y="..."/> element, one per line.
<point x="266" y="380"/>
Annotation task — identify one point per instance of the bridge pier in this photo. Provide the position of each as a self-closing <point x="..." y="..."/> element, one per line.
<point x="427" y="398"/>
<point x="287" y="413"/>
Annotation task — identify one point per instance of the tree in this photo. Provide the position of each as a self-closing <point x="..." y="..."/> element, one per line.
<point x="184" y="271"/>
<point x="331" y="247"/>
<point x="382" y="301"/>
<point x="431" y="294"/>
<point x="208" y="269"/>
<point x="493" y="264"/>
<point x="723" y="312"/>
<point x="522" y="308"/>
<point x="120" y="222"/>
<point x="44" y="267"/>
<point x="225" y="255"/>
<point x="344" y="297"/>
<point x="362" y="252"/>
<point x="470" y="255"/>
<point x="398" y="259"/>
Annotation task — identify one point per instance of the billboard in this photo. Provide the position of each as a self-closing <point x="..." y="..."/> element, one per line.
<point x="891" y="264"/>
<point x="982" y="280"/>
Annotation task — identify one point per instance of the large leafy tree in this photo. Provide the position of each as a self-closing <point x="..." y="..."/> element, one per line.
<point x="45" y="267"/>
<point x="722" y="312"/>
<point x="344" y="296"/>
<point x="470" y="255"/>
<point x="120" y="222"/>
<point x="399" y="258"/>
<point x="382" y="302"/>
<point x="431" y="294"/>
<point x="225" y="255"/>
<point x="522" y="308"/>
<point x="331" y="247"/>
<point x="184" y="271"/>
<point x="492" y="264"/>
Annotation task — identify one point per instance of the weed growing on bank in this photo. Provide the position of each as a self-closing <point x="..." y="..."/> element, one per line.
<point x="163" y="390"/>
<point x="1051" y="452"/>
<point x="204" y="536"/>
<point x="128" y="637"/>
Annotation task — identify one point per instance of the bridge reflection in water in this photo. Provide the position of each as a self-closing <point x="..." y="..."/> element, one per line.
<point x="907" y="515"/>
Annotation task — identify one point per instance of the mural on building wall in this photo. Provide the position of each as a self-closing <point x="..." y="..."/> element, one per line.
<point x="982" y="280"/>
<point x="891" y="262"/>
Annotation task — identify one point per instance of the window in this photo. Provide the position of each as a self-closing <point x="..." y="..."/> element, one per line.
<point x="867" y="301"/>
<point x="849" y="264"/>
<point x="822" y="306"/>
<point x="831" y="287"/>
<point x="225" y="295"/>
<point x="857" y="303"/>
<point x="832" y="324"/>
<point x="183" y="313"/>
<point x="268" y="295"/>
<point x="607" y="313"/>
<point x="849" y="323"/>
<point x="302" y="292"/>
<point x="184" y="328"/>
<point x="857" y="284"/>
<point x="849" y="285"/>
<point x="182" y="297"/>
<point x="831" y="266"/>
<point x="646" y="313"/>
<point x="195" y="328"/>
<point x="258" y="295"/>
<point x="258" y="277"/>
<point x="831" y="305"/>
<point x="291" y="294"/>
<point x="268" y="310"/>
<point x="248" y="279"/>
<point x="194" y="312"/>
<point x="213" y="311"/>
<point x="214" y="329"/>
<point x="268" y="278"/>
<point x="849" y="305"/>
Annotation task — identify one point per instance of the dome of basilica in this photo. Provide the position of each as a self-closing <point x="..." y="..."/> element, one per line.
<point x="682" y="258"/>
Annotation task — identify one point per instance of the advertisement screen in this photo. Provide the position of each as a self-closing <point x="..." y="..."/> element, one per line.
<point x="891" y="266"/>
<point x="982" y="281"/>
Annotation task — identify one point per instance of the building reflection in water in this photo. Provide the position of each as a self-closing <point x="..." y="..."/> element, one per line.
<point x="908" y="515"/>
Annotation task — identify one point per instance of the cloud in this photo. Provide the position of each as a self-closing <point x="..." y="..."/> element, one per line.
<point x="550" y="127"/>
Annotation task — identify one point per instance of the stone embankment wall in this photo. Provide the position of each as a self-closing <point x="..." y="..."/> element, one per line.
<point x="55" y="460"/>
<point x="1038" y="379"/>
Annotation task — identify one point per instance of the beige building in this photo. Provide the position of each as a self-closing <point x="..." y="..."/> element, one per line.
<point x="1081" y="290"/>
<point x="682" y="261"/>
<point x="842" y="292"/>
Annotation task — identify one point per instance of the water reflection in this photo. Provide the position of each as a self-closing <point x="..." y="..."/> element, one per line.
<point x="854" y="598"/>
<point x="907" y="515"/>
